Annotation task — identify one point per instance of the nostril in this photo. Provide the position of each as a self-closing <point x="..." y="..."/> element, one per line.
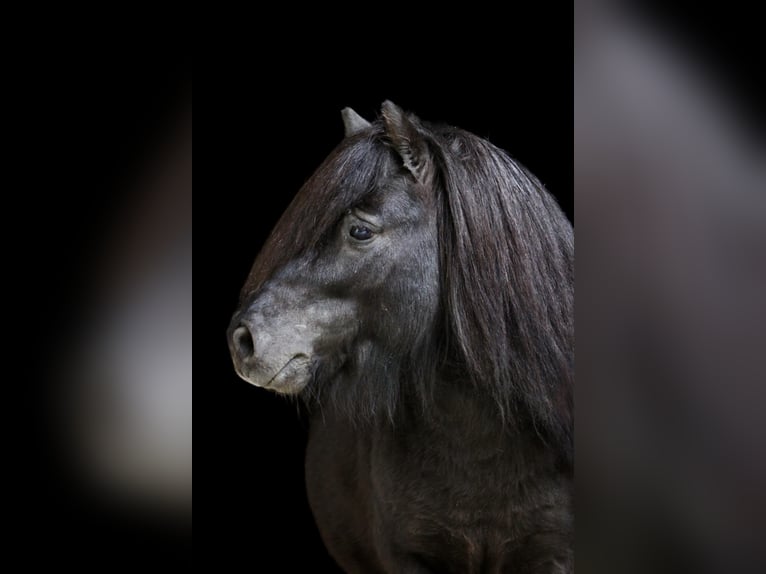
<point x="243" y="342"/>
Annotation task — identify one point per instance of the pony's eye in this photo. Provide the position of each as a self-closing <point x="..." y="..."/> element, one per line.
<point x="360" y="232"/>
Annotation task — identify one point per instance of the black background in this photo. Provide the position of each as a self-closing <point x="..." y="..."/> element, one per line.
<point x="285" y="117"/>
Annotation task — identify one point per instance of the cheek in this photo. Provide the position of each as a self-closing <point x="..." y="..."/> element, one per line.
<point x="329" y="321"/>
<point x="417" y="261"/>
<point x="403" y="298"/>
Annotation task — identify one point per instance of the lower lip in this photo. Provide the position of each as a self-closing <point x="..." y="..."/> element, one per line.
<point x="284" y="371"/>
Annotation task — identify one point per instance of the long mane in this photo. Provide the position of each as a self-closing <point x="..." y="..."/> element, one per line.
<point x="507" y="256"/>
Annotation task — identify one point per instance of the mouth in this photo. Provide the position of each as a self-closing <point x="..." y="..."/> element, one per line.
<point x="290" y="379"/>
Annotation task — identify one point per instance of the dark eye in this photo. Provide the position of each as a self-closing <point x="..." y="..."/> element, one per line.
<point x="360" y="232"/>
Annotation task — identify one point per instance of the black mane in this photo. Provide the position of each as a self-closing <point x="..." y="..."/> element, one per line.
<point x="508" y="262"/>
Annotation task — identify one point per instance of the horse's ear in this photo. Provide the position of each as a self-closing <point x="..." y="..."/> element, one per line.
<point x="353" y="123"/>
<point x="406" y="135"/>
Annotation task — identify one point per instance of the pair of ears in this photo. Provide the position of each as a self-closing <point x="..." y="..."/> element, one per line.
<point x="403" y="130"/>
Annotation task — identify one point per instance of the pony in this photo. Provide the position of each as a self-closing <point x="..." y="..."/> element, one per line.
<point x="417" y="297"/>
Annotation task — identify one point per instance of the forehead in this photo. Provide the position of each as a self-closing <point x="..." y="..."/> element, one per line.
<point x="357" y="168"/>
<point x="357" y="172"/>
<point x="366" y="174"/>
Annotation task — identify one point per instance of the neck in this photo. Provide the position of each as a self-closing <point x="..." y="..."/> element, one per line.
<point x="462" y="429"/>
<point x="458" y="417"/>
